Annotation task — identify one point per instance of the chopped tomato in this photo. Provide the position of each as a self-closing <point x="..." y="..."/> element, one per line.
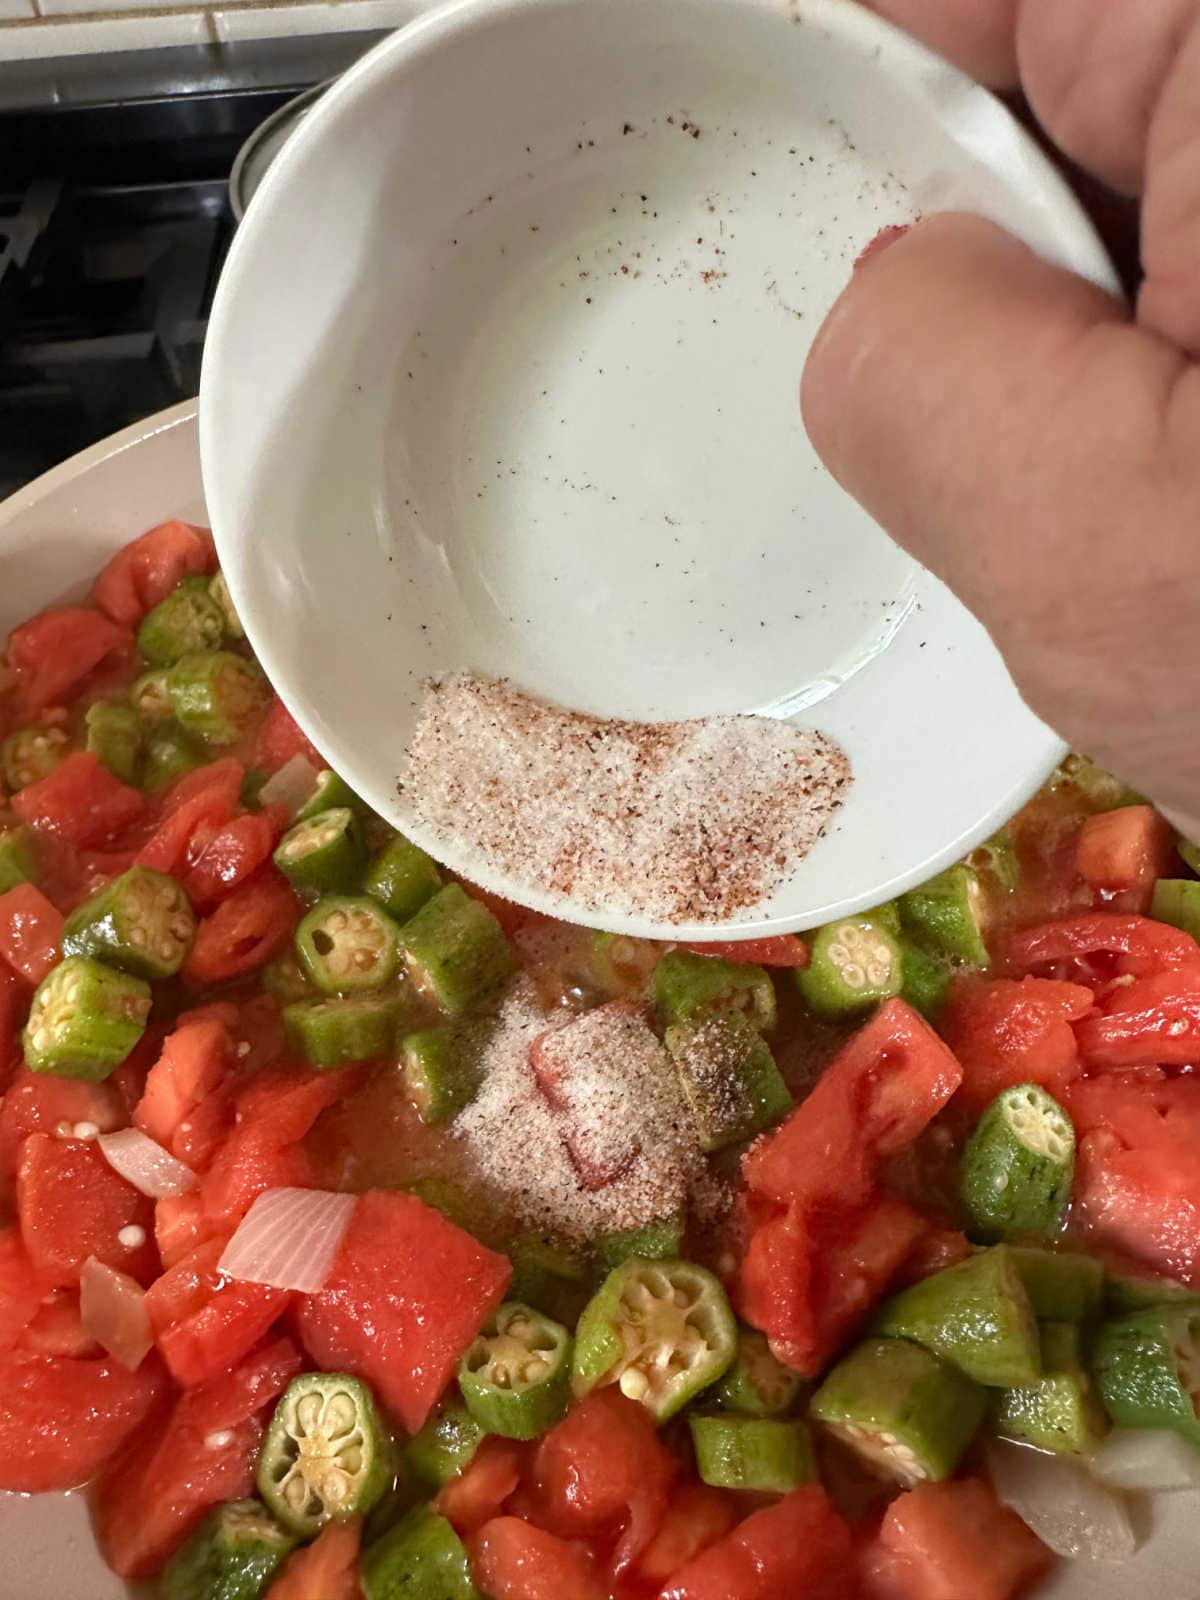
<point x="194" y="1062"/>
<point x="603" y="1471"/>
<point x="1095" y="947"/>
<point x="874" y="1097"/>
<point x="72" y="1205"/>
<point x="251" y="1160"/>
<point x="784" y="950"/>
<point x="145" y="571"/>
<point x="280" y="738"/>
<point x="20" y="1292"/>
<point x="479" y="1492"/>
<point x="30" y="931"/>
<point x="54" y="651"/>
<point x="944" y="1541"/>
<point x="81" y="800"/>
<point x="14" y="998"/>
<point x="798" y="1547"/>
<point x="287" y="1104"/>
<point x="62" y="1418"/>
<point x="37" y="1102"/>
<point x="1126" y="850"/>
<point x="513" y="1560"/>
<point x="1152" y="1021"/>
<point x="407" y="1294"/>
<point x="245" y="930"/>
<point x="233" y="854"/>
<point x="207" y="797"/>
<point x="202" y="1451"/>
<point x="1007" y="1031"/>
<point x="204" y="1323"/>
<point x="696" y="1517"/>
<point x="327" y="1569"/>
<point x="57" y="1328"/>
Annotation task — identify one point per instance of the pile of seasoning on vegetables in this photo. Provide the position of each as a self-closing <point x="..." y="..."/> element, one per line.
<point x="365" y="1236"/>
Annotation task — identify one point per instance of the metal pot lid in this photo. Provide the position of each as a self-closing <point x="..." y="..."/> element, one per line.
<point x="265" y="143"/>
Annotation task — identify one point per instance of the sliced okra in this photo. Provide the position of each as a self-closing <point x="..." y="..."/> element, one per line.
<point x="233" y="1555"/>
<point x="997" y="859"/>
<point x="347" y="943"/>
<point x="1102" y="790"/>
<point x="660" y="1330"/>
<point x="1062" y="1412"/>
<point x="924" y="977"/>
<point x="141" y="922"/>
<point x="113" y="733"/>
<point x="284" y="977"/>
<point x="329" y="790"/>
<point x="1062" y="1285"/>
<point x="32" y="753"/>
<point x="85" y="1019"/>
<point x="763" y="1454"/>
<point x="441" y="1072"/>
<point x="947" y="913"/>
<point x="757" y="1384"/>
<point x="906" y="1414"/>
<point x="18" y="863"/>
<point x="659" y="1240"/>
<point x="976" y="1315"/>
<point x="333" y="1033"/>
<point x="728" y="1077"/>
<point x="187" y="622"/>
<point x="688" y="986"/>
<point x="169" y="753"/>
<point x="150" y="697"/>
<point x="1016" y="1172"/>
<point x="326" y="852"/>
<point x="325" y="1455"/>
<point x="219" y="593"/>
<point x="551" y="1275"/>
<point x="1133" y="1290"/>
<point x="853" y="963"/>
<point x="451" y="1199"/>
<point x="618" y="965"/>
<point x="215" y="697"/>
<point x="515" y="1376"/>
<point x="402" y="878"/>
<point x="421" y="1558"/>
<point x="1147" y="1367"/>
<point x="455" y="951"/>
<point x="446" y="1444"/>
<point x="1177" y="901"/>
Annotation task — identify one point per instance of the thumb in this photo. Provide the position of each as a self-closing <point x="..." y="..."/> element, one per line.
<point x="1006" y="423"/>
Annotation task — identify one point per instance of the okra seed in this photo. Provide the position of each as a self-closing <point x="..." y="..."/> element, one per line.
<point x="634" y="1384"/>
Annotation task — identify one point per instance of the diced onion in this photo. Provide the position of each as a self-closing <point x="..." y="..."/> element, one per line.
<point x="288" y="1239"/>
<point x="112" y="1309"/>
<point x="145" y="1164"/>
<point x="1066" y="1507"/>
<point x="291" y="785"/>
<point x="1147" y="1460"/>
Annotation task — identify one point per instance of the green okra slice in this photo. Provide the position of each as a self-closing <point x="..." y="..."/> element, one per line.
<point x="853" y="963"/>
<point x="618" y="965"/>
<point x="1177" y="901"/>
<point x="216" y="697"/>
<point x="284" y="977"/>
<point x="997" y="858"/>
<point x="1018" y="1166"/>
<point x="347" y="943"/>
<point x="659" y="1240"/>
<point x="218" y="591"/>
<point x="333" y="1033"/>
<point x="906" y="1414"/>
<point x="451" y="1199"/>
<point x="85" y="1019"/>
<point x="455" y="951"/>
<point x="924" y="979"/>
<point x="189" y="621"/>
<point x="976" y="1315"/>
<point x="446" y="1444"/>
<point x="728" y="1077"/>
<point x="169" y="753"/>
<point x="763" y="1454"/>
<point x="1062" y="1285"/>
<point x="32" y="753"/>
<point x="687" y="986"/>
<point x="113" y="733"/>
<point x="402" y="878"/>
<point x="329" y="790"/>
<point x="1131" y="1289"/>
<point x="515" y="1376"/>
<point x="233" y="1555"/>
<point x="325" y="1455"/>
<point x="150" y="697"/>
<point x="326" y="852"/>
<point x="1102" y="790"/>
<point x="660" y="1330"/>
<point x="406" y="1492"/>
<point x="947" y="913"/>
<point x="1062" y="1411"/>
<point x="441" y="1073"/>
<point x="551" y="1275"/>
<point x="757" y="1384"/>
<point x="421" y="1558"/>
<point x="18" y="862"/>
<point x="141" y="922"/>
<point x="1147" y="1367"/>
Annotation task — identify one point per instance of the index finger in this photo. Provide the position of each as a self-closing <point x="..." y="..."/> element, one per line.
<point x="977" y="35"/>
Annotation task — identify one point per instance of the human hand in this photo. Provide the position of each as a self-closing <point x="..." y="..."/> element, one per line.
<point x="1019" y="431"/>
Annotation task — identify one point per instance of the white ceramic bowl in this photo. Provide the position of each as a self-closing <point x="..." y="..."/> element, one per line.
<point x="54" y="535"/>
<point x="502" y="374"/>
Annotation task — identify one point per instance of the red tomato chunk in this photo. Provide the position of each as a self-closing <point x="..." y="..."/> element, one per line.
<point x="516" y="1561"/>
<point x="81" y="800"/>
<point x="798" y="1547"/>
<point x="948" y="1541"/>
<point x="72" y="1205"/>
<point x="146" y="570"/>
<point x="30" y="931"/>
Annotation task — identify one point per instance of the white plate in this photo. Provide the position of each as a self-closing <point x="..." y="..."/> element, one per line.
<point x="502" y="373"/>
<point x="53" y="537"/>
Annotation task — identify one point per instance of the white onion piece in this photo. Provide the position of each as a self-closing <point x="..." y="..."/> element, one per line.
<point x="112" y="1309"/>
<point x="145" y="1164"/>
<point x="1147" y="1460"/>
<point x="291" y="786"/>
<point x="1064" y="1505"/>
<point x="288" y="1239"/>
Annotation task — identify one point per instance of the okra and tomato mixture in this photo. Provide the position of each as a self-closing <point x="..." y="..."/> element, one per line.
<point x="258" y="1295"/>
